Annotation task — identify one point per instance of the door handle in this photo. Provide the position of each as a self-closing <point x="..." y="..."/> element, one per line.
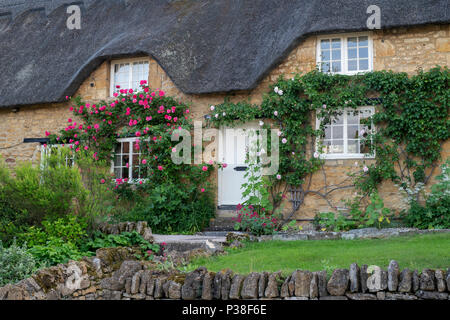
<point x="240" y="168"/>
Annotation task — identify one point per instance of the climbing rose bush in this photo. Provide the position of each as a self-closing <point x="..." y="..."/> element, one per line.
<point x="152" y="117"/>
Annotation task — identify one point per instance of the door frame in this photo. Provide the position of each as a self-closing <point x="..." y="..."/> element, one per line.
<point x="220" y="174"/>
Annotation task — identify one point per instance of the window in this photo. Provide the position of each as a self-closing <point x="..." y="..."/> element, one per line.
<point x="345" y="136"/>
<point x="67" y="157"/>
<point x="127" y="160"/>
<point x="345" y="54"/>
<point x="128" y="73"/>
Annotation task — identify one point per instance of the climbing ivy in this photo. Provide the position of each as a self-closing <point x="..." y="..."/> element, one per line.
<point x="411" y="120"/>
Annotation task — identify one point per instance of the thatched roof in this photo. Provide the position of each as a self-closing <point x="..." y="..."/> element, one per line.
<point x="205" y="46"/>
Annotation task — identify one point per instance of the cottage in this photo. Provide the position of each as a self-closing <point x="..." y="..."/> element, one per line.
<point x="202" y="52"/>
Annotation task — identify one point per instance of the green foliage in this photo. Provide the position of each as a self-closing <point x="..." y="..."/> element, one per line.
<point x="56" y="250"/>
<point x="16" y="263"/>
<point x="256" y="190"/>
<point x="34" y="194"/>
<point x="171" y="197"/>
<point x="250" y="220"/>
<point x="57" y="241"/>
<point x="125" y="239"/>
<point x="411" y="119"/>
<point x="172" y="207"/>
<point x="374" y="215"/>
<point x="435" y="214"/>
<point x="68" y="229"/>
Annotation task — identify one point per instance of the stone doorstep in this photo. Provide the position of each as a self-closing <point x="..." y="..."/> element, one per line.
<point x="190" y="242"/>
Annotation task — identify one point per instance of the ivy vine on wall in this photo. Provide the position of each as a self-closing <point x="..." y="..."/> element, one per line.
<point x="411" y="120"/>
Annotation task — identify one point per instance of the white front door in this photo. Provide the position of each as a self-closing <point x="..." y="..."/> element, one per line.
<point x="233" y="143"/>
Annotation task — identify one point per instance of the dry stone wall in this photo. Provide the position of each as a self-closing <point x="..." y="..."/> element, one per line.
<point x="113" y="275"/>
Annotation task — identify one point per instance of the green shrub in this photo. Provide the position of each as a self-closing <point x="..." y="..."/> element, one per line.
<point x="125" y="239"/>
<point x="374" y="215"/>
<point x="58" y="241"/>
<point x="35" y="193"/>
<point x="56" y="251"/>
<point x="16" y="263"/>
<point x="435" y="214"/>
<point x="171" y="208"/>
<point x="69" y="229"/>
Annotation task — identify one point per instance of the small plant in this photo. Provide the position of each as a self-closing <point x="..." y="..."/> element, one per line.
<point x="435" y="214"/>
<point x="374" y="215"/>
<point x="125" y="239"/>
<point x="291" y="227"/>
<point x="16" y="263"/>
<point x="251" y="221"/>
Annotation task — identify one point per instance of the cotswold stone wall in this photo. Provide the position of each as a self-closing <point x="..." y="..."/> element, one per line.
<point x="399" y="49"/>
<point x="113" y="275"/>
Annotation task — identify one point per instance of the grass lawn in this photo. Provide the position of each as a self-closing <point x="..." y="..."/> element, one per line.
<point x="413" y="252"/>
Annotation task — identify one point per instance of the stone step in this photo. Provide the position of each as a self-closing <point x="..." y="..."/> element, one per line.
<point x="189" y="242"/>
<point x="221" y="224"/>
<point x="225" y="213"/>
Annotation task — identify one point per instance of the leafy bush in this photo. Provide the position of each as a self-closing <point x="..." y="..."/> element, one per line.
<point x="125" y="239"/>
<point x="249" y="220"/>
<point x="69" y="229"/>
<point x="58" y="241"/>
<point x="435" y="214"/>
<point x="33" y="194"/>
<point x="171" y="207"/>
<point x="56" y="250"/>
<point x="374" y="215"/>
<point x="16" y="263"/>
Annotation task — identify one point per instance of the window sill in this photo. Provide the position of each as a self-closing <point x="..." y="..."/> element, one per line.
<point x="346" y="156"/>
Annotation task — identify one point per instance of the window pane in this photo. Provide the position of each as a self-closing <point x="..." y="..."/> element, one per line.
<point x="338" y="132"/>
<point x="122" y="75"/>
<point x="352" y="132"/>
<point x="327" y="132"/>
<point x="118" y="148"/>
<point x="336" y="54"/>
<point x="126" y="147"/>
<point x="325" y="56"/>
<point x="363" y="52"/>
<point x="125" y="173"/>
<point x="336" y="43"/>
<point x="352" y="53"/>
<point x="338" y="120"/>
<point x="352" y="65"/>
<point x="353" y="146"/>
<point x="336" y="66"/>
<point x="125" y="160"/>
<point x="352" y="42"/>
<point x="336" y="147"/>
<point x="117" y="173"/>
<point x="363" y="41"/>
<point x="325" y="44"/>
<point x="363" y="64"/>
<point x="117" y="162"/>
<point x="140" y="72"/>
<point x="353" y="117"/>
<point x="325" y="67"/>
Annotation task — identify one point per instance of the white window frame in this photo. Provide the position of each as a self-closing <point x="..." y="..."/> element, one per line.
<point x="344" y="52"/>
<point x="346" y="155"/>
<point x="130" y="79"/>
<point x="131" y="140"/>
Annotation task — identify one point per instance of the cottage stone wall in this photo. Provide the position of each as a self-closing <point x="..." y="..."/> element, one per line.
<point x="114" y="276"/>
<point x="399" y="49"/>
